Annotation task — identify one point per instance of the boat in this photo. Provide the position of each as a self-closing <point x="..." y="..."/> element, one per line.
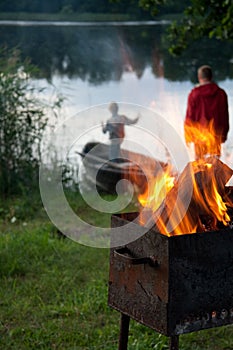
<point x="105" y="174"/>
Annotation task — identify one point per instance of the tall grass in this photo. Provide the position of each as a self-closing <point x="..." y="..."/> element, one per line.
<point x="23" y="120"/>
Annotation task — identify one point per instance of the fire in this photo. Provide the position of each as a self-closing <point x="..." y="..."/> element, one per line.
<point x="196" y="200"/>
<point x="212" y="201"/>
<point x="220" y="209"/>
<point x="156" y="190"/>
<point x="205" y="138"/>
<point x="206" y="193"/>
<point x="167" y="199"/>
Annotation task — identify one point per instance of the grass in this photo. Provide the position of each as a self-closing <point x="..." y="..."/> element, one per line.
<point x="53" y="291"/>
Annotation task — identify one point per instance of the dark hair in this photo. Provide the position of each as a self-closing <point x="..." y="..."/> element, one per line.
<point x="205" y="72"/>
<point x="113" y="107"/>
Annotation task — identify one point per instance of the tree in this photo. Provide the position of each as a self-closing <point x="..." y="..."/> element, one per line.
<point x="211" y="18"/>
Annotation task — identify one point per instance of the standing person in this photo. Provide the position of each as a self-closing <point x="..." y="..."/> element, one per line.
<point x="115" y="127"/>
<point x="207" y="117"/>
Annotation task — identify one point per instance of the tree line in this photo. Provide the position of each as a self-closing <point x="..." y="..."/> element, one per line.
<point x="91" y="6"/>
<point x="209" y="18"/>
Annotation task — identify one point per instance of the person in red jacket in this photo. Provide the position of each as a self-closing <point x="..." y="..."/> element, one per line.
<point x="207" y="117"/>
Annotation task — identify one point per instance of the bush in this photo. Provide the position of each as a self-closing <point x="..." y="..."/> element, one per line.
<point x="23" y="119"/>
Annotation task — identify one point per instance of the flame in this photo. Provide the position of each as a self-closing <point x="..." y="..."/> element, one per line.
<point x="219" y="208"/>
<point x="204" y="136"/>
<point x="156" y="190"/>
<point x="194" y="201"/>
<point x="165" y="198"/>
<point x="206" y="207"/>
<point x="211" y="200"/>
<point x="206" y="203"/>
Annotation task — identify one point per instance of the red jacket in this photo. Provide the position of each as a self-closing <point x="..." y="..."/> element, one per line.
<point x="209" y="102"/>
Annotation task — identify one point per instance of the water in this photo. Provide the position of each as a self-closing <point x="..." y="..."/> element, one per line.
<point x="91" y="64"/>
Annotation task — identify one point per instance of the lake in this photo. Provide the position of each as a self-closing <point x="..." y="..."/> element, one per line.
<point x="92" y="64"/>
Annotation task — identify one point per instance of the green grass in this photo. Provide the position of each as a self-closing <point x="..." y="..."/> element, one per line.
<point x="53" y="291"/>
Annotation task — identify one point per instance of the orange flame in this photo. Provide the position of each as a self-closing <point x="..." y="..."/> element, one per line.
<point x="157" y="189"/>
<point x="166" y="199"/>
<point x="176" y="218"/>
<point x="206" y="141"/>
<point x="210" y="199"/>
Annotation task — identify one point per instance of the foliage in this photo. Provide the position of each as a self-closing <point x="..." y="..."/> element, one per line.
<point x="152" y="5"/>
<point x="23" y="120"/>
<point x="156" y="7"/>
<point x="211" y="18"/>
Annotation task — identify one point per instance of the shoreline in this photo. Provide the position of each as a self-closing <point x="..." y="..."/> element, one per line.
<point x="81" y="23"/>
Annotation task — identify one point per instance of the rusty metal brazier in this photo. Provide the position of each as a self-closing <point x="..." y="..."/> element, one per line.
<point x="174" y="285"/>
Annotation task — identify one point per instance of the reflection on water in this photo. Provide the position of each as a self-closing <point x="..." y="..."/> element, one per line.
<point x="103" y="52"/>
<point x="92" y="65"/>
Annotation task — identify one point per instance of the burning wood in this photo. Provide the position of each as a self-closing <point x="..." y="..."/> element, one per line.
<point x="206" y="208"/>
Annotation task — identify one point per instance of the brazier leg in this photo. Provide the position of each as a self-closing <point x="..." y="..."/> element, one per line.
<point x="124" y="332"/>
<point x="174" y="343"/>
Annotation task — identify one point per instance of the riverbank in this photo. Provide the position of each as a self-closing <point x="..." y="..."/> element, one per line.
<point x="73" y="17"/>
<point x="80" y="17"/>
